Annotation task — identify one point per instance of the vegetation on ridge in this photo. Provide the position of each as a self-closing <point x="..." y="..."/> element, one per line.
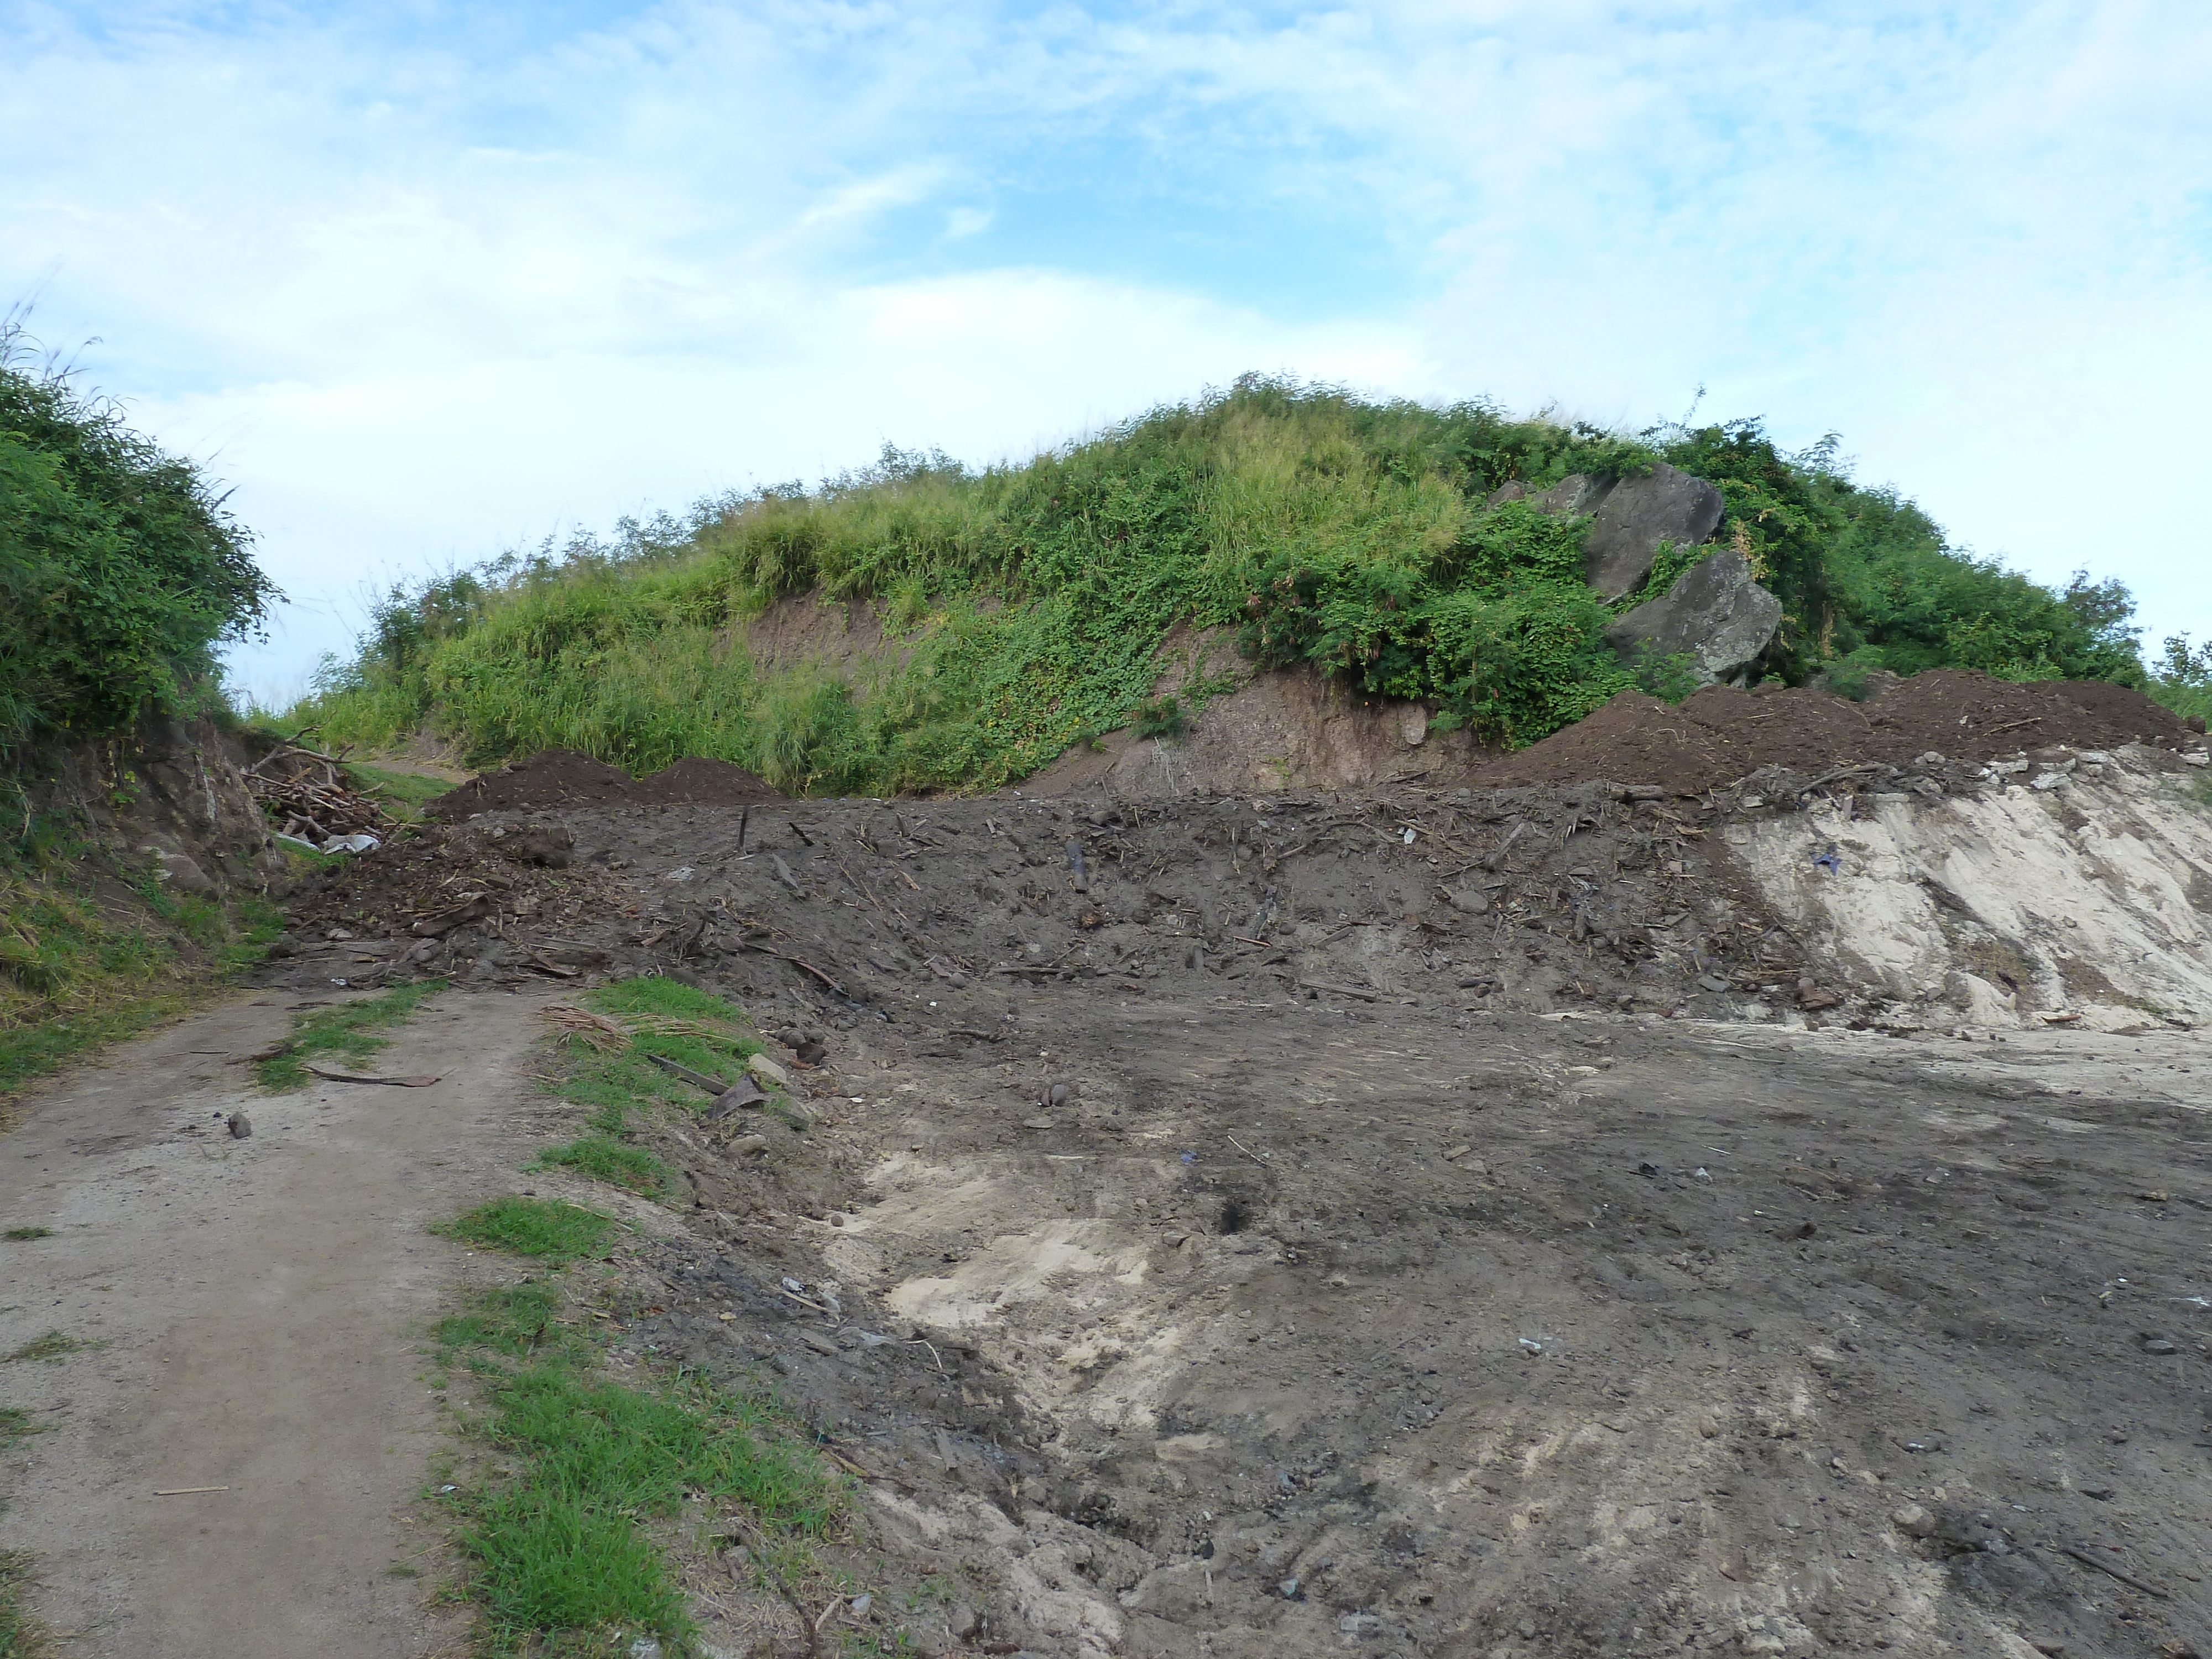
<point x="1027" y="602"/>
<point x="120" y="570"/>
<point x="121" y="574"/>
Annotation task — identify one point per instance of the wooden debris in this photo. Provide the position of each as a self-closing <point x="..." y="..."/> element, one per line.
<point x="305" y="792"/>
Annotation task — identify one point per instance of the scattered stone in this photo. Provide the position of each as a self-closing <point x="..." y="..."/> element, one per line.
<point x="240" y="1126"/>
<point x="1913" y="1521"/>
<point x="766" y="1072"/>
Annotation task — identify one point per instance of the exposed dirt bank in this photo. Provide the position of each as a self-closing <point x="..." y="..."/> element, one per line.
<point x="1294" y="731"/>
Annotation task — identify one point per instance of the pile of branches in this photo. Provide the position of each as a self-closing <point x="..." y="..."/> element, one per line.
<point x="305" y="794"/>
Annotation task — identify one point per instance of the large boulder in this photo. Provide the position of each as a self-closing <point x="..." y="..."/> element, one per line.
<point x="1629" y="518"/>
<point x="1716" y="612"/>
<point x="1636" y="515"/>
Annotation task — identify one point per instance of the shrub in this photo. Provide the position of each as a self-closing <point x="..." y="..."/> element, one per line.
<point x="120" y="569"/>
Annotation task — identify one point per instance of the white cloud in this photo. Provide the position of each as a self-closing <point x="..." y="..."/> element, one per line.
<point x="428" y="284"/>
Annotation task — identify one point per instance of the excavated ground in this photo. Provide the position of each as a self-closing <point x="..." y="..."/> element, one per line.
<point x="1326" y="1224"/>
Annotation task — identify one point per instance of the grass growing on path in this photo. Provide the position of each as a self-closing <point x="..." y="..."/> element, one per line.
<point x="53" y="1347"/>
<point x="348" y="1030"/>
<point x="543" y="1228"/>
<point x="615" y="1084"/>
<point x="20" y="1638"/>
<point x="604" y="1158"/>
<point x="560" y="1529"/>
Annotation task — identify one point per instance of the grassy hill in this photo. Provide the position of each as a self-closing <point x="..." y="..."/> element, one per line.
<point x="1346" y="533"/>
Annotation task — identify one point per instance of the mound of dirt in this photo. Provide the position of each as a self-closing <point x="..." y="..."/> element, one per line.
<point x="1721" y="734"/>
<point x="552" y="777"/>
<point x="701" y="782"/>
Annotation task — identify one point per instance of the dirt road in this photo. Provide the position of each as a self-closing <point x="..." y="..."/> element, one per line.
<point x="251" y="1314"/>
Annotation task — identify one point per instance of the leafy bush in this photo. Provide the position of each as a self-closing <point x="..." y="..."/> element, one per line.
<point x="1163" y="717"/>
<point x="120" y="570"/>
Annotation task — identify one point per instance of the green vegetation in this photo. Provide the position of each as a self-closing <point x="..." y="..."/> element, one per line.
<point x="20" y="1235"/>
<point x="561" y="1534"/>
<point x="543" y="1228"/>
<point x="401" y="793"/>
<point x="121" y="574"/>
<point x="120" y="571"/>
<point x="1028" y="601"/>
<point x="15" y="1425"/>
<point x="664" y="1017"/>
<point x="86" y="956"/>
<point x="2184" y="683"/>
<point x="20" y="1637"/>
<point x="347" y="1030"/>
<point x="608" y="1158"/>
<point x="53" y="1347"/>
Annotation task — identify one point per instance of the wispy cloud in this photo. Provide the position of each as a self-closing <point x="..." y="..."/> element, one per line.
<point x="432" y="279"/>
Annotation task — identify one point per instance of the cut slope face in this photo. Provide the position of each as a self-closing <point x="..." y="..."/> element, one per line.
<point x="2082" y="888"/>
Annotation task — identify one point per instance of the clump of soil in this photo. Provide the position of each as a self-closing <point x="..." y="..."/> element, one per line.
<point x="552" y="777"/>
<point x="1721" y="734"/>
<point x="698" y="781"/>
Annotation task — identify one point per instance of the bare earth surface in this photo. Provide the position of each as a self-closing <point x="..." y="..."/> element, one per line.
<point x="1403" y="1225"/>
<point x="256" y="1310"/>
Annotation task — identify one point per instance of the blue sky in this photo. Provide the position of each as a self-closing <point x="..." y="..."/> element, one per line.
<point x="424" y="282"/>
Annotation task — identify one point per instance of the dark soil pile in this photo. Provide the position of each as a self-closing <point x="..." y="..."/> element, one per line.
<point x="1721" y="734"/>
<point x="561" y="777"/>
<point x="552" y="777"/>
<point x="700" y="782"/>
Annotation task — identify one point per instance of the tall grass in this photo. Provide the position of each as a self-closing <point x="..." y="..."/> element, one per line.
<point x="1027" y="602"/>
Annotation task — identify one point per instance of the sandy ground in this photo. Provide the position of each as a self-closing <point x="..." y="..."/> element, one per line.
<point x="254" y="1311"/>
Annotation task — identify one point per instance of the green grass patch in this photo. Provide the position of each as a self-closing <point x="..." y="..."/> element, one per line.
<point x="21" y="1235"/>
<point x="53" y="1347"/>
<point x="349" y="1032"/>
<point x="560" y="1538"/>
<point x="88" y="958"/>
<point x="604" y="1158"/>
<point x="20" y="1636"/>
<point x="15" y="1425"/>
<point x="656" y="994"/>
<point x="546" y="1229"/>
<point x="610" y="1085"/>
<point x="401" y="793"/>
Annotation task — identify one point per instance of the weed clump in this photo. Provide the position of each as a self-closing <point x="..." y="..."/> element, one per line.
<point x="559" y="1537"/>
<point x="348" y="1031"/>
<point x="543" y="1228"/>
<point x="53" y="1347"/>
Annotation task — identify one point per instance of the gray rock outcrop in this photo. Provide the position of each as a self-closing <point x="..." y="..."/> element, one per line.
<point x="1629" y="518"/>
<point x="1716" y="613"/>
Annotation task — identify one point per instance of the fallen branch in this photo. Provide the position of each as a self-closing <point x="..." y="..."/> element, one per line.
<point x="2081" y="1552"/>
<point x="1340" y="990"/>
